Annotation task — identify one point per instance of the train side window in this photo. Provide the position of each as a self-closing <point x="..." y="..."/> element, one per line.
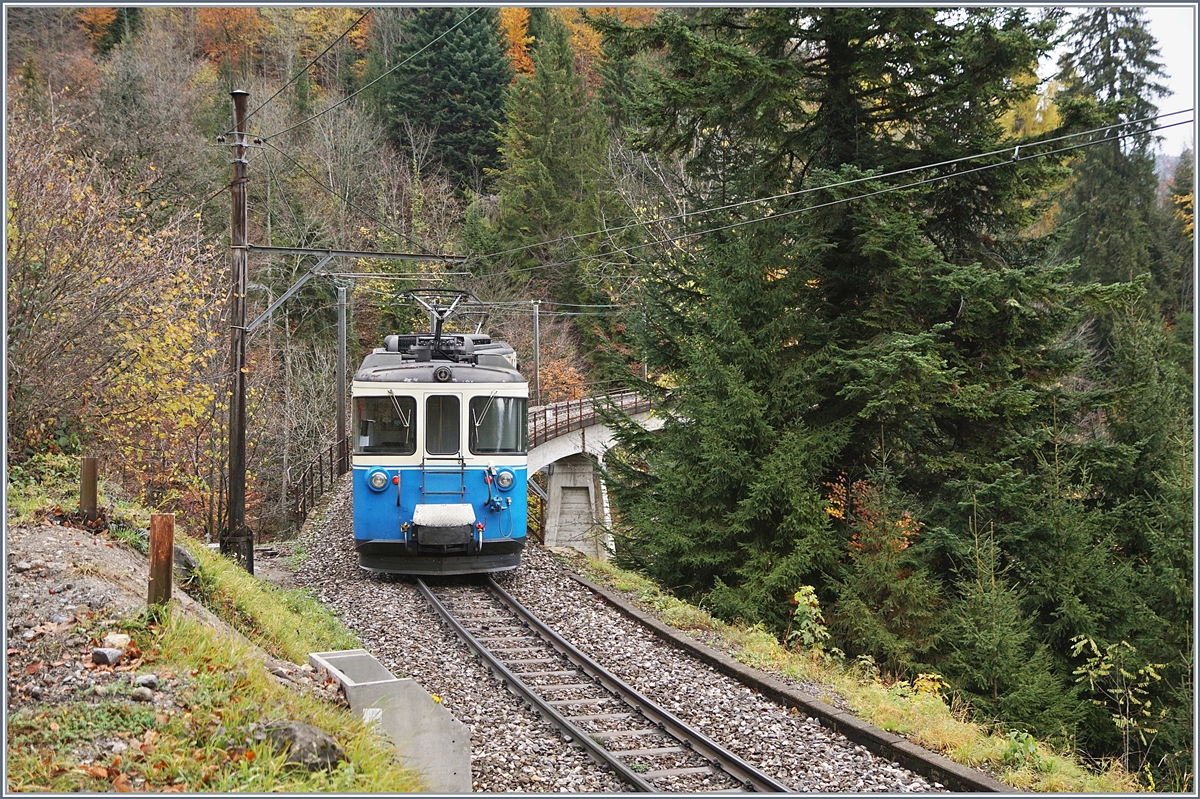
<point x="441" y="425"/>
<point x="385" y="425"/>
<point x="498" y="425"/>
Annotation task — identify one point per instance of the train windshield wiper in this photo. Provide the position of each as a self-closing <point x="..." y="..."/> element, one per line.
<point x="404" y="420"/>
<point x="479" y="420"/>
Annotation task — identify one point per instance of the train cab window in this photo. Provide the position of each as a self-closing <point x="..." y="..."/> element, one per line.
<point x="441" y="425"/>
<point x="385" y="425"/>
<point x="498" y="425"/>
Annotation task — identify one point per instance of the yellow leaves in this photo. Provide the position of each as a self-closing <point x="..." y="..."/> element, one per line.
<point x="514" y="23"/>
<point x="95" y="22"/>
<point x="837" y="500"/>
<point x="1186" y="213"/>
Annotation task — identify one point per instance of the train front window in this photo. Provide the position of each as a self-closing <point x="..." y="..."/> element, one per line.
<point x="441" y="425"/>
<point x="498" y="425"/>
<point x="385" y="425"/>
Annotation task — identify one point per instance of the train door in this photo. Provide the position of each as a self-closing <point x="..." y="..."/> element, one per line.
<point x="444" y="468"/>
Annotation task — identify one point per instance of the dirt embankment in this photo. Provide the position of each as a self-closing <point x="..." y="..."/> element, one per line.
<point x="67" y="588"/>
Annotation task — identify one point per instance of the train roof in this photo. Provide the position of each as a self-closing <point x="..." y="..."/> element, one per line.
<point x="457" y="358"/>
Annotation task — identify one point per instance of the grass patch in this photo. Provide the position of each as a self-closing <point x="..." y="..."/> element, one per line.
<point x="48" y="484"/>
<point x="206" y="742"/>
<point x="40" y="484"/>
<point x="288" y="624"/>
<point x="920" y="713"/>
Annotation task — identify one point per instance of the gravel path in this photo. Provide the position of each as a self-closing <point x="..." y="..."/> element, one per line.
<point x="513" y="748"/>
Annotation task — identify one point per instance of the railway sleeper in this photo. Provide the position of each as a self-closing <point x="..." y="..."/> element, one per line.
<point x="549" y="674"/>
<point x="661" y="750"/>
<point x="579" y="702"/>
<point x="677" y="772"/>
<point x="623" y="733"/>
<point x="572" y="686"/>
<point x="518" y="650"/>
<point x="602" y="717"/>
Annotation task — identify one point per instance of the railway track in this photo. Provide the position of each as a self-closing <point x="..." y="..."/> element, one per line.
<point x="644" y="745"/>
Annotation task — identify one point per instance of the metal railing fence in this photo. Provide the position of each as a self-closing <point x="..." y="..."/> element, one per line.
<point x="317" y="476"/>
<point x="551" y="421"/>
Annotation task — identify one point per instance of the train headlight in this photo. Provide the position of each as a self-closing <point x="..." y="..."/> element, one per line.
<point x="377" y="480"/>
<point x="505" y="480"/>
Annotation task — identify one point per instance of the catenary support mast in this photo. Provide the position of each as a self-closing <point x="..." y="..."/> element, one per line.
<point x="236" y="538"/>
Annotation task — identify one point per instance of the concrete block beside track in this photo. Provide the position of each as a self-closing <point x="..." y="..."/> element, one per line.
<point x="426" y="736"/>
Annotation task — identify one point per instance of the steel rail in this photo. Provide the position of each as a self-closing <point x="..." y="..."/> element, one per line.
<point x="518" y="686"/>
<point x="704" y="746"/>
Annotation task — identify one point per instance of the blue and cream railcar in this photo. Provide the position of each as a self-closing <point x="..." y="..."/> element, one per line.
<point x="440" y="430"/>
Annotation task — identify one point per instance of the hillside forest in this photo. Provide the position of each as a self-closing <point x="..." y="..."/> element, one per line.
<point x="919" y="322"/>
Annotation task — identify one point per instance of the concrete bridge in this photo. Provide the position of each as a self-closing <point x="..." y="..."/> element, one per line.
<point x="564" y="438"/>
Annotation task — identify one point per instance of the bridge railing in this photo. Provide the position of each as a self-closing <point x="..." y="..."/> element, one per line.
<point x="551" y="421"/>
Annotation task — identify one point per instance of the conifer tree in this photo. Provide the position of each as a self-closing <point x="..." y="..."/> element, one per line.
<point x="994" y="655"/>
<point x="1111" y="61"/>
<point x="1174" y="273"/>
<point x="553" y="148"/>
<point x="450" y="80"/>
<point x="846" y="332"/>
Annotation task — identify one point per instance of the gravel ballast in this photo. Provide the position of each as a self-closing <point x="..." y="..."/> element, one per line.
<point x="512" y="748"/>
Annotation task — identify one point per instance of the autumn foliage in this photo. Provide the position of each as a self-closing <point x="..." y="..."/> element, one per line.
<point x="111" y="322"/>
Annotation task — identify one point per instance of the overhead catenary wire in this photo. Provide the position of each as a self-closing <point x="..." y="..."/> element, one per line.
<point x="393" y="275"/>
<point x="271" y="175"/>
<point x="424" y="250"/>
<point x="831" y="203"/>
<point x="503" y="307"/>
<point x="841" y="184"/>
<point x="307" y="66"/>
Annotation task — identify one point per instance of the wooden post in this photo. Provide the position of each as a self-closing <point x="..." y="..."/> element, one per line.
<point x="237" y="540"/>
<point x="162" y="556"/>
<point x="87" y="488"/>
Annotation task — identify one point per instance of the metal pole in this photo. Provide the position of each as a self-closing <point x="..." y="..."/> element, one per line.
<point x="237" y="540"/>
<point x="537" y="355"/>
<point x="341" y="380"/>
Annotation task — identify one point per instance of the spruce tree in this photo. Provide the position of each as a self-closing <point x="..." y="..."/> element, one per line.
<point x="918" y="341"/>
<point x="853" y="332"/>
<point x="450" y="81"/>
<point x="1111" y="61"/>
<point x="994" y="655"/>
<point x="552" y="148"/>
<point x="554" y="183"/>
<point x="1174" y="272"/>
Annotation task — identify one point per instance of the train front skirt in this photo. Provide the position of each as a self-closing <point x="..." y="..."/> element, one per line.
<point x="392" y="557"/>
